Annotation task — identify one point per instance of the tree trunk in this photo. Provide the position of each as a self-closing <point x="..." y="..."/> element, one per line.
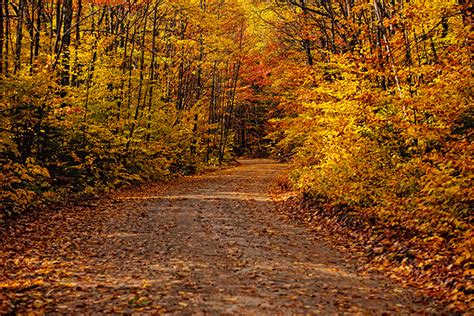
<point x="38" y="27"/>
<point x="2" y="36"/>
<point x="7" y="36"/>
<point x="19" y="36"/>
<point x="66" y="42"/>
<point x="151" y="81"/>
<point x="140" y="83"/>
<point x="77" y="42"/>
<point x="31" y="32"/>
<point x="59" y="22"/>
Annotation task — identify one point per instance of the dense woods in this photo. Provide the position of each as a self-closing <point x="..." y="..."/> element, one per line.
<point x="371" y="100"/>
<point x="105" y="93"/>
<point x="378" y="119"/>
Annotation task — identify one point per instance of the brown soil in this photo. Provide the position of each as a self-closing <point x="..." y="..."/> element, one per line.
<point x="208" y="244"/>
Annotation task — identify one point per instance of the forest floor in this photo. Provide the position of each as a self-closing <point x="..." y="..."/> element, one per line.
<point x="207" y="244"/>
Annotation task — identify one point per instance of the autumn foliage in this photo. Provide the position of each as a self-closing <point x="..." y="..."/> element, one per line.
<point x="371" y="100"/>
<point x="100" y="94"/>
<point x="379" y="126"/>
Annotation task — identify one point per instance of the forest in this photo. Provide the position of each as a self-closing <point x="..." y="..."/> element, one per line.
<point x="370" y="101"/>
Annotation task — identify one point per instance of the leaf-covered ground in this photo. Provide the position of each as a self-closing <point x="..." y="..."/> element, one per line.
<point x="211" y="243"/>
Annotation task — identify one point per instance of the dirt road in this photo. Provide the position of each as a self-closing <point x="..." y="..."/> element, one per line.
<point x="208" y="244"/>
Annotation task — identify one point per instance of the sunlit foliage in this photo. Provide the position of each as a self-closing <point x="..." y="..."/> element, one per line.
<point x="99" y="93"/>
<point x="378" y="96"/>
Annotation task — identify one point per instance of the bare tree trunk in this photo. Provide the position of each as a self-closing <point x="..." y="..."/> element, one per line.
<point x="19" y="36"/>
<point x="122" y="80"/>
<point x="38" y="27"/>
<point x="66" y="42"/>
<point x="211" y="112"/>
<point x="152" y="73"/>
<point x="229" y="112"/>
<point x="7" y="36"/>
<point x="77" y="43"/>
<point x="2" y="36"/>
<point x="193" y="145"/>
<point x="140" y="83"/>
<point x="130" y="72"/>
<point x="30" y="21"/>
<point x="379" y="15"/>
<point x="306" y="42"/>
<point x="59" y="22"/>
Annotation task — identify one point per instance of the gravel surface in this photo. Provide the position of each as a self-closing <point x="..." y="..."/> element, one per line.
<point x="207" y="244"/>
